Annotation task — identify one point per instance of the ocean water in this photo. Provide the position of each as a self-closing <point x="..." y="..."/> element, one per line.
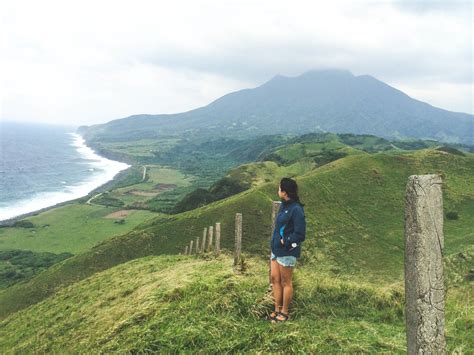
<point x="42" y="165"/>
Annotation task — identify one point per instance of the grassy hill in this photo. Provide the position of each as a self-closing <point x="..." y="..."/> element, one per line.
<point x="189" y="303"/>
<point x="354" y="210"/>
<point x="294" y="156"/>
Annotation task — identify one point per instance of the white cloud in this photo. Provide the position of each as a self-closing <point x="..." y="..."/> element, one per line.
<point x="447" y="96"/>
<point x="93" y="61"/>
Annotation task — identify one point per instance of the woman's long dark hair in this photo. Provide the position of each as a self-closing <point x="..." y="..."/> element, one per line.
<point x="291" y="188"/>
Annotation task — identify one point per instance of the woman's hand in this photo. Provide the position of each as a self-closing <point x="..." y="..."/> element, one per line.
<point x="282" y="241"/>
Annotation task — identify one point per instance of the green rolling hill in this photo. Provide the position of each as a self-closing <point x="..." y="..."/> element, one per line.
<point x="354" y="208"/>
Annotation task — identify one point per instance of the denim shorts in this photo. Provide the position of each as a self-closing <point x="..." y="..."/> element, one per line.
<point x="286" y="261"/>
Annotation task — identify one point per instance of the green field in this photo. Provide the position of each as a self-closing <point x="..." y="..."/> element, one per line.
<point x="139" y="194"/>
<point x="142" y="147"/>
<point x="72" y="228"/>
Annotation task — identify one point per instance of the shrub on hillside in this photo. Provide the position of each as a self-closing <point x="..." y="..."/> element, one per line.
<point x="195" y="199"/>
<point x="20" y="265"/>
<point x="327" y="156"/>
<point x="226" y="187"/>
<point x="223" y="188"/>
<point x="276" y="158"/>
<point x="24" y="224"/>
<point x="106" y="200"/>
<point x="452" y="215"/>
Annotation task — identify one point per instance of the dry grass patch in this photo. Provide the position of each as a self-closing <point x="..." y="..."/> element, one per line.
<point x="119" y="214"/>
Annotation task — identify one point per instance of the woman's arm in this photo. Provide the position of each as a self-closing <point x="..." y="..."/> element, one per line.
<point x="299" y="228"/>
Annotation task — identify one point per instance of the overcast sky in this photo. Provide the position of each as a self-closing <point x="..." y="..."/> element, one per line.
<point x="86" y="62"/>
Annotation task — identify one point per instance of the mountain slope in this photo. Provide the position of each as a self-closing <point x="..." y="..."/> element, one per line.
<point x="326" y="100"/>
<point x="186" y="303"/>
<point x="354" y="210"/>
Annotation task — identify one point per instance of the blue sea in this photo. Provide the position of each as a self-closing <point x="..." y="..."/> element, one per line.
<point x="42" y="165"/>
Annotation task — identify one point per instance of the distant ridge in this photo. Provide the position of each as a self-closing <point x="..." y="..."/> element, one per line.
<point x="319" y="100"/>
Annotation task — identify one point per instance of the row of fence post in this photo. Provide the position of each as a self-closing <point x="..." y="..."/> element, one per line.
<point x="207" y="244"/>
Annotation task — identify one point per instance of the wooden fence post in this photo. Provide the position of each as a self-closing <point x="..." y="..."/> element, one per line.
<point x="275" y="207"/>
<point x="218" y="238"/>
<point x="204" y="234"/>
<point x="191" y="247"/>
<point x="186" y="250"/>
<point x="424" y="282"/>
<point x="211" y="234"/>
<point x="238" y="238"/>
<point x="197" y="245"/>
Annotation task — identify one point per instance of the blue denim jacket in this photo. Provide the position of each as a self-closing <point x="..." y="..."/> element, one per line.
<point x="290" y="225"/>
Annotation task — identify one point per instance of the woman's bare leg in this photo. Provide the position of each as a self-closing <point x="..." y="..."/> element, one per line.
<point x="276" y="285"/>
<point x="286" y="274"/>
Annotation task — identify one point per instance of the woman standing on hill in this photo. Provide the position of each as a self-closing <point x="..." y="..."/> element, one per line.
<point x="289" y="233"/>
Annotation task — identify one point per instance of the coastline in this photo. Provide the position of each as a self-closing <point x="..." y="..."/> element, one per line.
<point x="100" y="188"/>
<point x="9" y="222"/>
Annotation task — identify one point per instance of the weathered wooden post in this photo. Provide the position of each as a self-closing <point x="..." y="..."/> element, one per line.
<point x="424" y="282"/>
<point x="204" y="234"/>
<point x="186" y="250"/>
<point x="275" y="208"/>
<point x="191" y="247"/>
<point x="211" y="234"/>
<point x="238" y="238"/>
<point x="197" y="245"/>
<point x="218" y="238"/>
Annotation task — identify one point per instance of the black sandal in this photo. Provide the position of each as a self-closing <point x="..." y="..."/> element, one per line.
<point x="284" y="315"/>
<point x="272" y="316"/>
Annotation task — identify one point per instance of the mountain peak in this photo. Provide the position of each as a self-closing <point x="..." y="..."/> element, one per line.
<point x="315" y="74"/>
<point x="326" y="73"/>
